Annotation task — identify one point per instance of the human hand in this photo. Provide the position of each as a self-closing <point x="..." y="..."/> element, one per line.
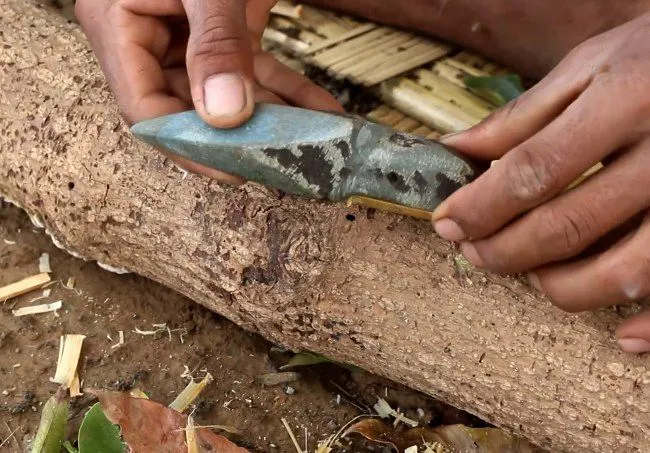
<point x="517" y="216"/>
<point x="167" y="56"/>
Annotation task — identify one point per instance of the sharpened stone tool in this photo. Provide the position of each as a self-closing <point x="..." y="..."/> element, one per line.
<point x="319" y="155"/>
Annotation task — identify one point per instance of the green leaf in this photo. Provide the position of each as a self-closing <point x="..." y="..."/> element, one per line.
<point x="498" y="90"/>
<point x="98" y="435"/>
<point x="52" y="427"/>
<point x="307" y="358"/>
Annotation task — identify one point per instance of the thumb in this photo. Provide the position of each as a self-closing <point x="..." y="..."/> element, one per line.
<point x="220" y="61"/>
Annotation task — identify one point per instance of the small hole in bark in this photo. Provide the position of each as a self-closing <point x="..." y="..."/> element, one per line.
<point x="350" y="217"/>
<point x="70" y="185"/>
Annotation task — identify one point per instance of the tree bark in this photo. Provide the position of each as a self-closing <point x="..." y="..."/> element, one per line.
<point x="382" y="291"/>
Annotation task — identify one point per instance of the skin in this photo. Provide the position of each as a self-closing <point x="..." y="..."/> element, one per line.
<point x="586" y="248"/>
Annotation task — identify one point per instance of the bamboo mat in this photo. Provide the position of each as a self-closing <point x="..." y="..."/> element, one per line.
<point x="419" y="80"/>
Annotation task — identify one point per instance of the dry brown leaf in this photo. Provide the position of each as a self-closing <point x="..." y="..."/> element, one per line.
<point x="148" y="426"/>
<point x="455" y="438"/>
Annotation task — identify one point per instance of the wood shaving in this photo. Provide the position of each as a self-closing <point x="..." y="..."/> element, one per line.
<point x="384" y="410"/>
<point x="120" y="341"/>
<point x="44" y="263"/>
<point x="8" y="242"/>
<point x="37" y="309"/>
<point x="190" y="394"/>
<point x="70" y="283"/>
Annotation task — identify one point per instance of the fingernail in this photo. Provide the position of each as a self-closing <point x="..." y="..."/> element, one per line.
<point x="224" y="95"/>
<point x="469" y="252"/>
<point x="634" y="345"/>
<point x="533" y="279"/>
<point x="449" y="230"/>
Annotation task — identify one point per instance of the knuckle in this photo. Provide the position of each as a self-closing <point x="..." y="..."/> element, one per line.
<point x="632" y="274"/>
<point x="565" y="231"/>
<point x="529" y="177"/>
<point x="218" y="36"/>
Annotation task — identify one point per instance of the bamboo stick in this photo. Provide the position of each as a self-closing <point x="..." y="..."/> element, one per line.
<point x="423" y="105"/>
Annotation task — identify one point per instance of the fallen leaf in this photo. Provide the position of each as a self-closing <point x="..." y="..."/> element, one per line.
<point x="52" y="427"/>
<point x="447" y="439"/>
<point x="98" y="435"/>
<point x="150" y="426"/>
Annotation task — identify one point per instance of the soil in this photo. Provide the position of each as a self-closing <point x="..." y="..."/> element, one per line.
<point x="102" y="303"/>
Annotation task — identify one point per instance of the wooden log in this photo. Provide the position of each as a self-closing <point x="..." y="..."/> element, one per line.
<point x="382" y="291"/>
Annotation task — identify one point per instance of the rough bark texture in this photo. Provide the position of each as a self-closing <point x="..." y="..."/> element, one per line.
<point x="381" y="291"/>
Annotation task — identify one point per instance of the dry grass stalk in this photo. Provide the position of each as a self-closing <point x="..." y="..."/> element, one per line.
<point x="292" y="436"/>
<point x="23" y="286"/>
<point x="69" y="352"/>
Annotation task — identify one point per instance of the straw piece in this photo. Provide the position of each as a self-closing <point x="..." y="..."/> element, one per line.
<point x="37" y="309"/>
<point x="23" y="286"/>
<point x="69" y="352"/>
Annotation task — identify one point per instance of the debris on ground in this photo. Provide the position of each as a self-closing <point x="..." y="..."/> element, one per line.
<point x="37" y="309"/>
<point x="23" y="286"/>
<point x="69" y="352"/>
<point x="272" y="379"/>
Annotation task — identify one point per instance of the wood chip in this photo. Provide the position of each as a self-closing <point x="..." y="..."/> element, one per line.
<point x="69" y="352"/>
<point x="287" y="9"/>
<point x="44" y="263"/>
<point x="8" y="242"/>
<point x="75" y="387"/>
<point x="70" y="283"/>
<point x="190" y="393"/>
<point x="37" y="309"/>
<point x="23" y="286"/>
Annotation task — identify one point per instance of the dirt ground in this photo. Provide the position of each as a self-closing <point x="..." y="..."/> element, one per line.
<point x="102" y="303"/>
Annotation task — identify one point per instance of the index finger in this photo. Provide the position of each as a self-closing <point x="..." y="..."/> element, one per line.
<point x="130" y="38"/>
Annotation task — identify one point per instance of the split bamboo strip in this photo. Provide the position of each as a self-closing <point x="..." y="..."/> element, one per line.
<point x="374" y="53"/>
<point x="37" y="309"/>
<point x="353" y="47"/>
<point x="340" y="38"/>
<point x="23" y="286"/>
<point x="428" y="53"/>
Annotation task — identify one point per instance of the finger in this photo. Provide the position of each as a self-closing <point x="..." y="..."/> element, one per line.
<point x="220" y="61"/>
<point x="542" y="166"/>
<point x="568" y="224"/>
<point x="528" y="114"/>
<point x="634" y="334"/>
<point x="293" y="87"/>
<point x="129" y="43"/>
<point x="621" y="274"/>
<point x="178" y="84"/>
